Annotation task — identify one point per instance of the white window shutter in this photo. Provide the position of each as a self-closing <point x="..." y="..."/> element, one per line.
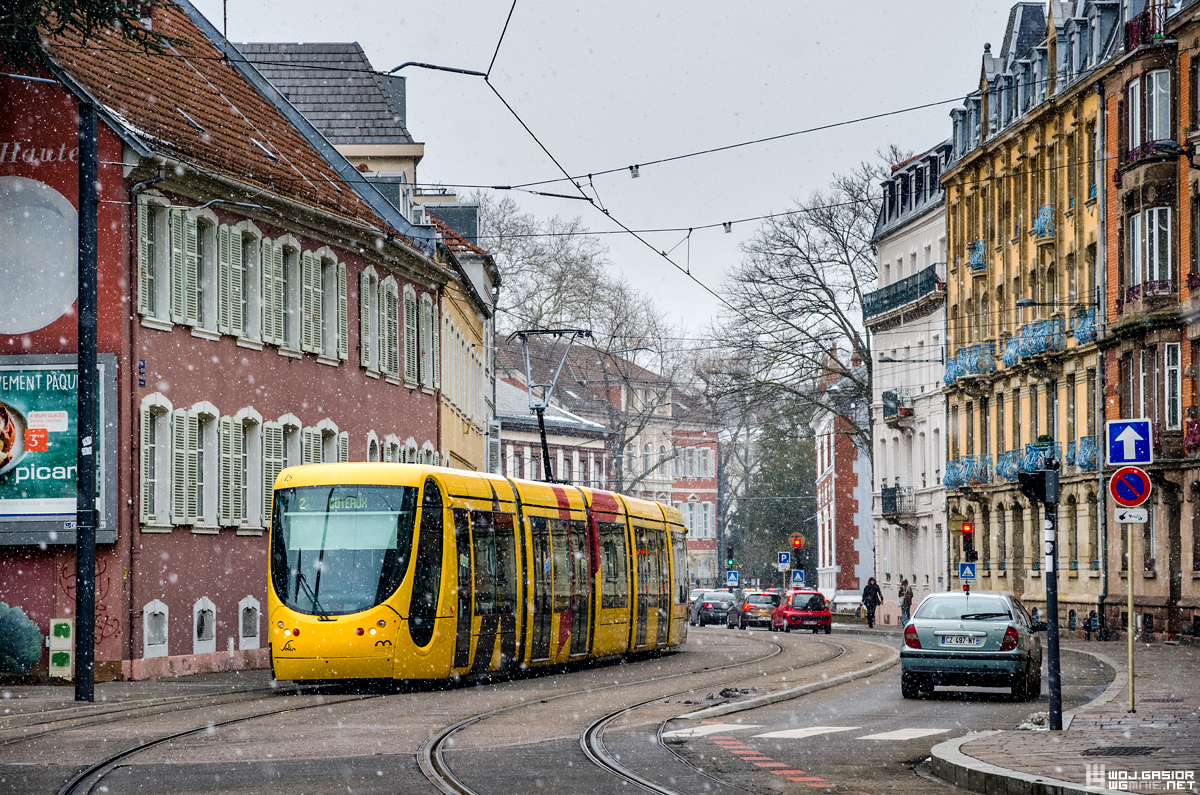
<point x="393" y="325"/>
<point x="177" y="228"/>
<point x="191" y="269"/>
<point x="364" y="319"/>
<point x="435" y="326"/>
<point x="192" y="423"/>
<point x="224" y="279"/>
<point x="179" y="473"/>
<point x="410" y="337"/>
<point x="237" y="323"/>
<point x="279" y="299"/>
<point x="343" y="315"/>
<point x="146" y="420"/>
<point x="237" y="474"/>
<point x="423" y="337"/>
<point x="343" y="447"/>
<point x="306" y="301"/>
<point x="266" y="328"/>
<point x="310" y="444"/>
<point x="225" y="499"/>
<point x="272" y="436"/>
<point x="143" y="257"/>
<point x="318" y="321"/>
<point x="493" y="448"/>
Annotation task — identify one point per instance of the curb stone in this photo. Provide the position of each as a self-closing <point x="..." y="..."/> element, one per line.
<point x="797" y="692"/>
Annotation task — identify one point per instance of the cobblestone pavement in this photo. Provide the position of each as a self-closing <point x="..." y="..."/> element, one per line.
<point x="1162" y="735"/>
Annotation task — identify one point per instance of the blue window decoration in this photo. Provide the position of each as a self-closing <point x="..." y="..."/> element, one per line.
<point x="978" y="253"/>
<point x="1043" y="224"/>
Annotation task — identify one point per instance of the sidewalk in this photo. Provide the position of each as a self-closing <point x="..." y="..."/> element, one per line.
<point x="23" y="707"/>
<point x="1103" y="743"/>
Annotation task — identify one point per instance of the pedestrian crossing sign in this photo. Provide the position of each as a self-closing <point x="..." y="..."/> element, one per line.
<point x="731" y="579"/>
<point x="966" y="571"/>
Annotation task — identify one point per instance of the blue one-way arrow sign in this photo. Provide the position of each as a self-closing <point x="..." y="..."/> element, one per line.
<point x="1129" y="442"/>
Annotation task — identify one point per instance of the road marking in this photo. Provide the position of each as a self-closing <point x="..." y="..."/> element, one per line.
<point x="714" y="728"/>
<point x="804" y="778"/>
<point x="789" y="772"/>
<point x="770" y="764"/>
<point x="808" y="731"/>
<point x="904" y="734"/>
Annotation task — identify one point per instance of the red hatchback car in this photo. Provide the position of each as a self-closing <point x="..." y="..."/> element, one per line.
<point x="802" y="610"/>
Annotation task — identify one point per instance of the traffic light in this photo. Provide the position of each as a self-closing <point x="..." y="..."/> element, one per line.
<point x="797" y="543"/>
<point x="729" y="556"/>
<point x="968" y="534"/>
<point x="1040" y="486"/>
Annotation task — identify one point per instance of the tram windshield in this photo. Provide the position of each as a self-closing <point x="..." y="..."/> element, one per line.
<point x="340" y="549"/>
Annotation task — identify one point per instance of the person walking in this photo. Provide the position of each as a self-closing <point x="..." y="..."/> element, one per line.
<point x="872" y="598"/>
<point x="905" y="595"/>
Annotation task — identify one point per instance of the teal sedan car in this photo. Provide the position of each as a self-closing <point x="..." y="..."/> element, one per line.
<point x="976" y="639"/>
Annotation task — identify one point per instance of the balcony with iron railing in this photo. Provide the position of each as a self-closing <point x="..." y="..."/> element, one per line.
<point x="977" y="359"/>
<point x="1043" y="223"/>
<point x="1008" y="464"/>
<point x="1085" y="326"/>
<point x="952" y="480"/>
<point x="1012" y="351"/>
<point x="1146" y="27"/>
<point x="978" y="255"/>
<point x="896" y="500"/>
<point x="905" y="291"/>
<point x="953" y="370"/>
<point x="1040" y="455"/>
<point x="1087" y="454"/>
<point x="1042" y="336"/>
<point x="1191" y="441"/>
<point x="971" y="470"/>
<point x="897" y="405"/>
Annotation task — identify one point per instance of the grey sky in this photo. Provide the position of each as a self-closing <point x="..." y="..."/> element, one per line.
<point x="610" y="84"/>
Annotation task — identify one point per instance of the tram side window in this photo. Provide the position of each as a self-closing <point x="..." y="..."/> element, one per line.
<point x="427" y="576"/>
<point x="614" y="582"/>
<point x="562" y="568"/>
<point x="495" y="563"/>
<point x="681" y="570"/>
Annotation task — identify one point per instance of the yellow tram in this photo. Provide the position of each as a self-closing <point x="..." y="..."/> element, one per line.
<point x="407" y="571"/>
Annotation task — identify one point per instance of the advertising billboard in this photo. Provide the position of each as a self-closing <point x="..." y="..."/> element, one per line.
<point x="38" y="449"/>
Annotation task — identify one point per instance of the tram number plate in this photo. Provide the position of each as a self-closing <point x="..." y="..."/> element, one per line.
<point x="961" y="640"/>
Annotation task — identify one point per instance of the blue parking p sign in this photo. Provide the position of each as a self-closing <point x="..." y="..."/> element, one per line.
<point x="785" y="558"/>
<point x="1128" y="443"/>
<point x="966" y="571"/>
<point x="731" y="579"/>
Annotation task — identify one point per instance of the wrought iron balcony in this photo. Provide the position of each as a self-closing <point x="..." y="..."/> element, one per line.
<point x="1092" y="191"/>
<point x="977" y="359"/>
<point x="953" y="370"/>
<point x="975" y="470"/>
<point x="1042" y="336"/>
<point x="978" y="252"/>
<point x="1191" y="440"/>
<point x="897" y="294"/>
<point x="1011" y="351"/>
<point x="1087" y="454"/>
<point x="896" y="500"/>
<point x="1043" y="224"/>
<point x="1158" y="287"/>
<point x="897" y="405"/>
<point x="952" y="479"/>
<point x="1039" y="455"/>
<point x="1141" y="152"/>
<point x="1085" y="326"/>
<point x="1193" y="280"/>
<point x="1008" y="465"/>
<point x="1146" y="27"/>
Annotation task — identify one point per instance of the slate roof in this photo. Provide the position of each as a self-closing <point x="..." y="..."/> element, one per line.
<point x="190" y="104"/>
<point x="333" y="85"/>
<point x="1026" y="28"/>
<point x="453" y="240"/>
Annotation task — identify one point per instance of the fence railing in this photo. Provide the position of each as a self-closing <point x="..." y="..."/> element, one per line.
<point x="1012" y="351"/>
<point x="1087" y="454"/>
<point x="953" y="370"/>
<point x="1038" y="456"/>
<point x="1085" y="326"/>
<point x="897" y="500"/>
<point x="1008" y="464"/>
<point x="977" y="359"/>
<point x="1146" y="27"/>
<point x="1042" y="336"/>
<point x="897" y="294"/>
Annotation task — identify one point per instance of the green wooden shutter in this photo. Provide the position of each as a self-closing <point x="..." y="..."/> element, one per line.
<point x="179" y="473"/>
<point x="266" y="320"/>
<point x="237" y="473"/>
<point x="224" y="275"/>
<point x="143" y="258"/>
<point x="393" y="327"/>
<point x="192" y="423"/>
<point x="191" y="269"/>
<point x="225" y="492"/>
<point x="237" y="323"/>
<point x="343" y="314"/>
<point x="278" y="303"/>
<point x="146" y="420"/>
<point x="306" y="301"/>
<point x="364" y="319"/>
<point x="343" y="447"/>
<point x="410" y="338"/>
<point x="176" y="227"/>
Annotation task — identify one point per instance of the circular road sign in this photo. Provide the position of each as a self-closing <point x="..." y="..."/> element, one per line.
<point x="1129" y="487"/>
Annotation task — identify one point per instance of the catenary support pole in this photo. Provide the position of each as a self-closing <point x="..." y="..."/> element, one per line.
<point x="85" y="505"/>
<point x="1053" y="667"/>
<point x="547" y="472"/>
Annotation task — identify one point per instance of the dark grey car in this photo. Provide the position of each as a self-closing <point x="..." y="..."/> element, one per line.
<point x="709" y="607"/>
<point x="978" y="638"/>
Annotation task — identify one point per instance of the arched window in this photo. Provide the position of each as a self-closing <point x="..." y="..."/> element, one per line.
<point x="204" y="630"/>
<point x="248" y="623"/>
<point x="646" y="458"/>
<point x="154" y="629"/>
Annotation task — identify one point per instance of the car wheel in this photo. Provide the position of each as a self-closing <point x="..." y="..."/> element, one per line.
<point x="702" y="621"/>
<point x="1020" y="686"/>
<point x="828" y="629"/>
<point x="741" y="624"/>
<point x="1035" y="690"/>
<point x="787" y="627"/>
<point x="909" y="686"/>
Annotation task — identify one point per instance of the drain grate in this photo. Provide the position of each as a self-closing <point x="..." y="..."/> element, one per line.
<point x="1162" y="700"/>
<point x="1121" y="750"/>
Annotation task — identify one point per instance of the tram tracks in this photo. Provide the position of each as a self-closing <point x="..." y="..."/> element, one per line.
<point x="431" y="757"/>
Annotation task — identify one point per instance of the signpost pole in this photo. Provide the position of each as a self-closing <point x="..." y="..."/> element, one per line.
<point x="1052" y="652"/>
<point x="1129" y="609"/>
<point x="85" y="501"/>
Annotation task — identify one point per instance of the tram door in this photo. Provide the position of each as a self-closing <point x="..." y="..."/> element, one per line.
<point x="462" y="544"/>
<point x="543" y="594"/>
<point x="662" y="581"/>
<point x="643" y="586"/>
<point x="580" y="549"/>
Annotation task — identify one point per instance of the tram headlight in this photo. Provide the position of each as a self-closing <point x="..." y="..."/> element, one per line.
<point x="281" y="625"/>
<point x="382" y="623"/>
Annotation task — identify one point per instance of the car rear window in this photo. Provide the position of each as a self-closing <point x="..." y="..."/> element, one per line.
<point x="964" y="607"/>
<point x="718" y="596"/>
<point x="762" y="599"/>
<point x="813" y="602"/>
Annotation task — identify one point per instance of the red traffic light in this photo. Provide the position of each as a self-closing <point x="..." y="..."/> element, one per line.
<point x="968" y="529"/>
<point x="797" y="542"/>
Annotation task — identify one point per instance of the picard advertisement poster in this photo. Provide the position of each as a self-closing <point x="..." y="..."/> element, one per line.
<point x="38" y="448"/>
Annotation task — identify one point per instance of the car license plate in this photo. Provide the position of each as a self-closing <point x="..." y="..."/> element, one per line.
<point x="961" y="640"/>
<point x="809" y="621"/>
